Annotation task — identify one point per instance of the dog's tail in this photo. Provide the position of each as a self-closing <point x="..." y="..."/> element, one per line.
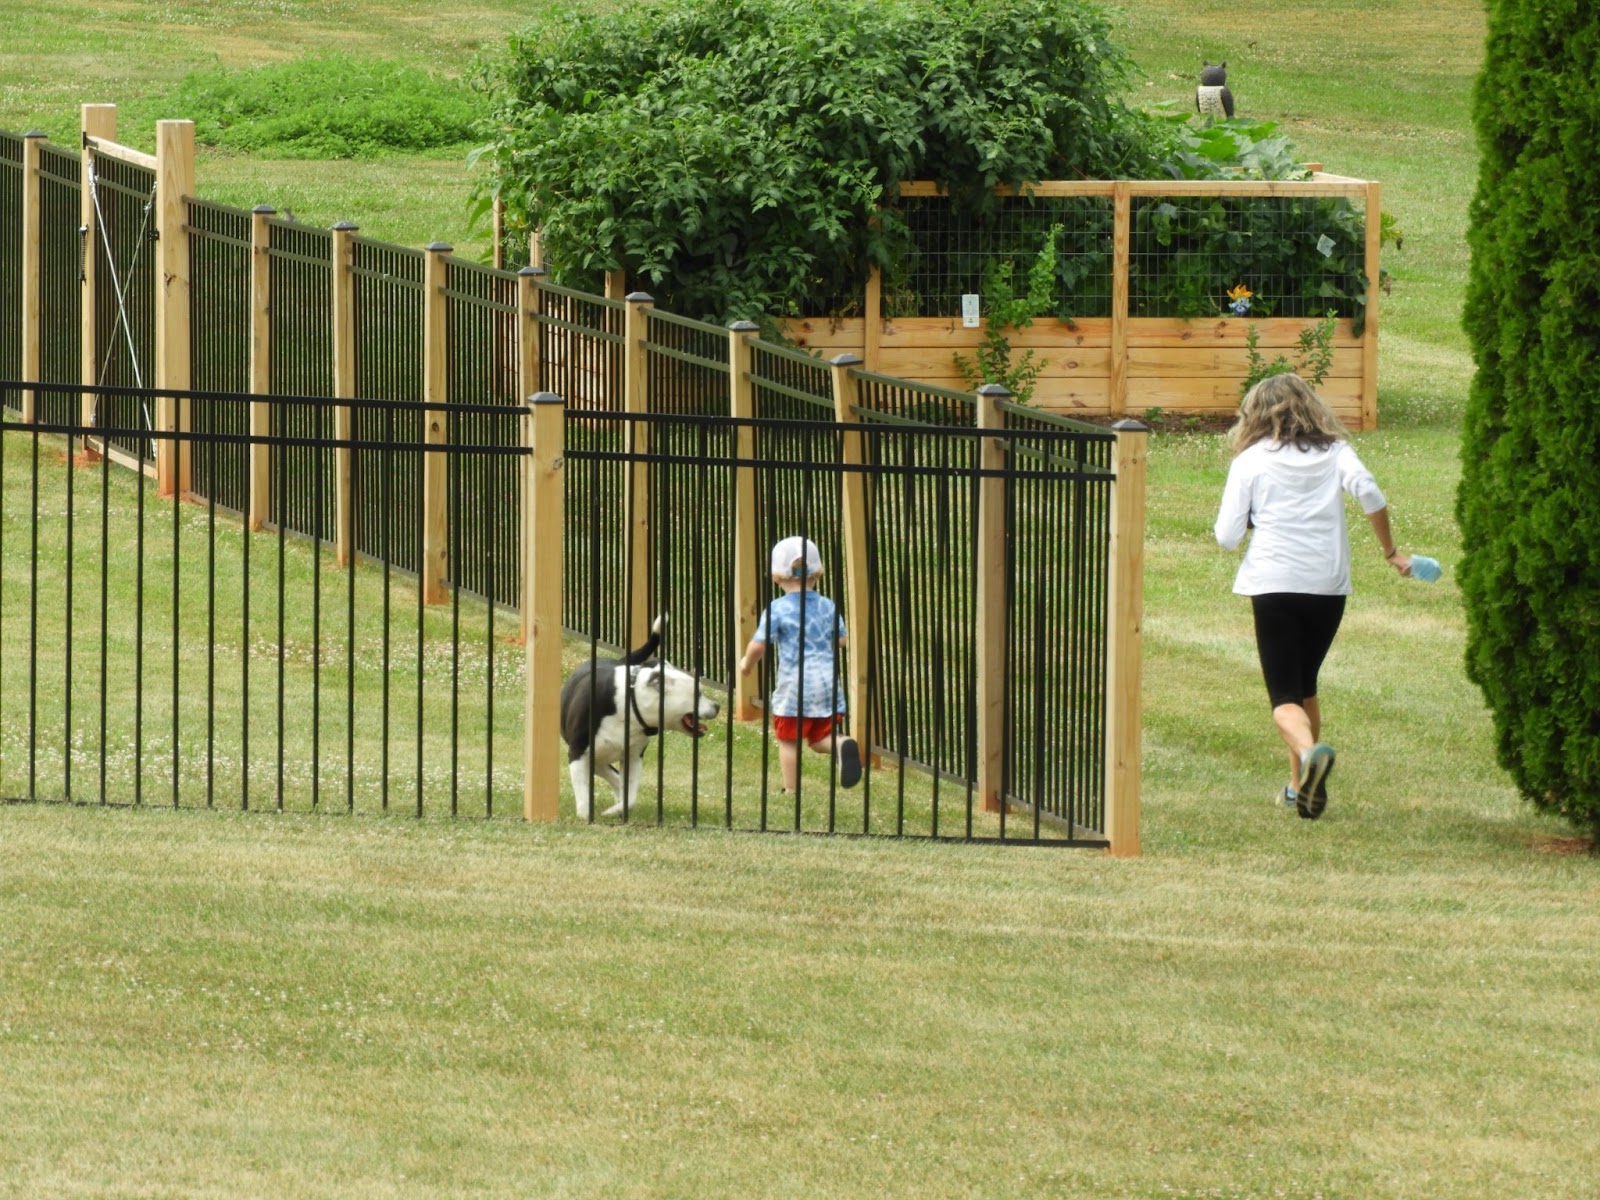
<point x="651" y="645"/>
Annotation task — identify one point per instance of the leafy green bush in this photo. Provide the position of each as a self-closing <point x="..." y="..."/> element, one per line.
<point x="333" y="107"/>
<point x="732" y="155"/>
<point x="1312" y="361"/>
<point x="1005" y="310"/>
<point x="1529" y="499"/>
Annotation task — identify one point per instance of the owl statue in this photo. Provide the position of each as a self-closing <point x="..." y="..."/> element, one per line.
<point x="1212" y="97"/>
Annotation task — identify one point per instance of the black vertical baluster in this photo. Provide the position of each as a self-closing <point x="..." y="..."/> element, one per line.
<point x="177" y="592"/>
<point x="211" y="638"/>
<point x="455" y="623"/>
<point x="244" y="655"/>
<point x="105" y="601"/>
<point x="66" y="758"/>
<point x="33" y="625"/>
<point x="697" y="589"/>
<point x="138" y="647"/>
<point x="319" y="454"/>
<point x="489" y="464"/>
<point x="357" y="494"/>
<point x="2" y="604"/>
<point x="283" y="558"/>
<point x="422" y="567"/>
<point x="732" y="650"/>
<point x="385" y="522"/>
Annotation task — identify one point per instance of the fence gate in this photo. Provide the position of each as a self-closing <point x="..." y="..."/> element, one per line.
<point x="119" y="270"/>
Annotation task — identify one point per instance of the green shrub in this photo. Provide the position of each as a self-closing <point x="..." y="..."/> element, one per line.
<point x="732" y="154"/>
<point x="1529" y="497"/>
<point x="334" y="107"/>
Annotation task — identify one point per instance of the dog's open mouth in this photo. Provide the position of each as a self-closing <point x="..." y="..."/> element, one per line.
<point x="692" y="726"/>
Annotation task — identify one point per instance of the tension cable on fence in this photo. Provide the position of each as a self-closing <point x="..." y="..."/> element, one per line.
<point x="117" y="285"/>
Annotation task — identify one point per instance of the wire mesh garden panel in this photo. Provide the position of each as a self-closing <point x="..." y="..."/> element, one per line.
<point x="388" y="353"/>
<point x="951" y="252"/>
<point x="158" y="655"/>
<point x="1299" y="256"/>
<point x="219" y="354"/>
<point x="483" y="368"/>
<point x="302" y="366"/>
<point x="11" y="330"/>
<point x="124" y="196"/>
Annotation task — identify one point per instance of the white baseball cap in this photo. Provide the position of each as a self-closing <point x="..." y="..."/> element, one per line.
<point x="790" y="551"/>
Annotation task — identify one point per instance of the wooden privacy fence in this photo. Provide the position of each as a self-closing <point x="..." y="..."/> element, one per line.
<point x="345" y="349"/>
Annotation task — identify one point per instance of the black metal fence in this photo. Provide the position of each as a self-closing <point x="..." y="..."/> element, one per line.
<point x="922" y="486"/>
<point x="153" y="652"/>
<point x="219" y="321"/>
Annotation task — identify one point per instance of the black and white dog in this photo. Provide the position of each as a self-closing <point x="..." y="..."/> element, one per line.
<point x="612" y="707"/>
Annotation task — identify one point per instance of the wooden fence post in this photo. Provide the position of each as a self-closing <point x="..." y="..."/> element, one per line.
<point x="872" y="339"/>
<point x="543" y="518"/>
<point x="529" y="370"/>
<point x="99" y="122"/>
<point x="1121" y="239"/>
<point x="993" y="599"/>
<point x="749" y="557"/>
<point x="174" y="186"/>
<point x="32" y="277"/>
<point x="343" y="292"/>
<point x="434" y="569"/>
<point x="260" y="364"/>
<point x="1369" y="336"/>
<point x="1124" y="639"/>
<point x="637" y="550"/>
<point x="853" y="517"/>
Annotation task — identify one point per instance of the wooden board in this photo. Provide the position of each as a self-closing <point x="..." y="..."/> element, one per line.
<point x="1147" y="362"/>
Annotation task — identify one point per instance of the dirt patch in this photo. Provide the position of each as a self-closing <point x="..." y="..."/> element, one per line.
<point x="1551" y="844"/>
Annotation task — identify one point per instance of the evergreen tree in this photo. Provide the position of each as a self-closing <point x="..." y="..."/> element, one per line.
<point x="1529" y="498"/>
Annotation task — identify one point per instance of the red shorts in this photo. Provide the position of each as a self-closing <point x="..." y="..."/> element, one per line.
<point x="789" y="729"/>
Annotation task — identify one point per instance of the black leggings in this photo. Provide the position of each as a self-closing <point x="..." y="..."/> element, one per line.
<point x="1293" y="634"/>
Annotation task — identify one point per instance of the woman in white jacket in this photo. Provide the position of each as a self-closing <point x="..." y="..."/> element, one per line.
<point x="1291" y="468"/>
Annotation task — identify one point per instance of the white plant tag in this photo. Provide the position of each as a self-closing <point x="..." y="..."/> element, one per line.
<point x="969" y="311"/>
<point x="1325" y="245"/>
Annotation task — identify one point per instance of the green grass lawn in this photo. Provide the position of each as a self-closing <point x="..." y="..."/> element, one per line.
<point x="1396" y="1001"/>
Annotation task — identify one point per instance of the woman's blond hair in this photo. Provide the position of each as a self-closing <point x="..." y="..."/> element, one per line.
<point x="1284" y="409"/>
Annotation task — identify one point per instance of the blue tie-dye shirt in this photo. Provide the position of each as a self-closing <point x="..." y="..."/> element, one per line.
<point x="780" y="627"/>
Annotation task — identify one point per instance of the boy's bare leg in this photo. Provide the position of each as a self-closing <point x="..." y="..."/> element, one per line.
<point x="789" y="762"/>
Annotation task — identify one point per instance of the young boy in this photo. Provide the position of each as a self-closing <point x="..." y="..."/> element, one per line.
<point x="805" y="627"/>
